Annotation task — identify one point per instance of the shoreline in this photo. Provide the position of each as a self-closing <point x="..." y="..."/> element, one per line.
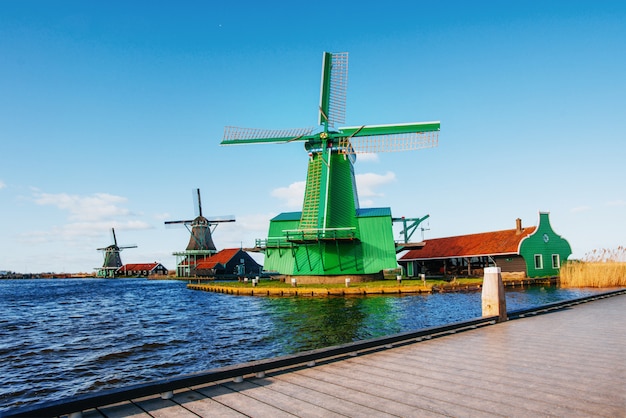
<point x="355" y="290"/>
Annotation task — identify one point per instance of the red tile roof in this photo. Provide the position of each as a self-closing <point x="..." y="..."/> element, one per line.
<point x="137" y="267"/>
<point x="486" y="243"/>
<point x="222" y="258"/>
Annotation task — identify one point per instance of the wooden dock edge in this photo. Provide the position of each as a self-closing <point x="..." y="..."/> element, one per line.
<point x="356" y="290"/>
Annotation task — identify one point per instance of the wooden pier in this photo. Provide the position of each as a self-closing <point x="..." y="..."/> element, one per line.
<point x="569" y="362"/>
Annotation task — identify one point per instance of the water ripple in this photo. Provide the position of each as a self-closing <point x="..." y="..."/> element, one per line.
<point x="60" y="338"/>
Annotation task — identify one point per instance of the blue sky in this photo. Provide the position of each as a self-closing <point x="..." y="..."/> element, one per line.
<point x="111" y="114"/>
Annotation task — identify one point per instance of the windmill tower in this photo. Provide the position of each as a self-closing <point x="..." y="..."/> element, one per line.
<point x="332" y="235"/>
<point x="112" y="259"/>
<point x="200" y="244"/>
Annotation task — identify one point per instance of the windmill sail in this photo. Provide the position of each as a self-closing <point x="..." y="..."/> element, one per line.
<point x="334" y="88"/>
<point x="389" y="138"/>
<point x="234" y="135"/>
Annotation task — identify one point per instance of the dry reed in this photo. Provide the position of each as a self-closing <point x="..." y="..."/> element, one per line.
<point x="600" y="268"/>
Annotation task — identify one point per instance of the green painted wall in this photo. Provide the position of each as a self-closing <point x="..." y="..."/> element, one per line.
<point x="341" y="196"/>
<point x="375" y="251"/>
<point x="544" y="243"/>
<point x="379" y="249"/>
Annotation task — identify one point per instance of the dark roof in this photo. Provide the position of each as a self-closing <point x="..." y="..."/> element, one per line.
<point x="487" y="243"/>
<point x="288" y="216"/>
<point x="371" y="212"/>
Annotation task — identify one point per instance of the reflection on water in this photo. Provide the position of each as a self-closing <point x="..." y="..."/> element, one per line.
<point x="63" y="337"/>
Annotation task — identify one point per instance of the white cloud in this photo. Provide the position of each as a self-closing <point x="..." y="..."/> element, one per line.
<point x="76" y="233"/>
<point x="88" y="218"/>
<point x="368" y="183"/>
<point x="254" y="222"/>
<point x="292" y="195"/>
<point x="162" y="216"/>
<point x="367" y="186"/>
<point x="619" y="202"/>
<point x="96" y="207"/>
<point x="2" y="184"/>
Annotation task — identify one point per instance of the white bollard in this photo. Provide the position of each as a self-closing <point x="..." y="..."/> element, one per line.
<point x="493" y="297"/>
<point x="347" y="282"/>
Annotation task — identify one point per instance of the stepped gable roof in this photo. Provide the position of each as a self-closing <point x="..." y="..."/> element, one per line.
<point x="222" y="258"/>
<point x="140" y="266"/>
<point x="473" y="245"/>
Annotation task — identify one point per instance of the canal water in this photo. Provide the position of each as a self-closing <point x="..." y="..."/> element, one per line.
<point x="61" y="337"/>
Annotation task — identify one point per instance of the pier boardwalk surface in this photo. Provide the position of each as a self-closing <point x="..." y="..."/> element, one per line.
<point x="567" y="363"/>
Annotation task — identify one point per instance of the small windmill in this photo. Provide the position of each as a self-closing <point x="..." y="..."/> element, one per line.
<point x="200" y="244"/>
<point x="112" y="259"/>
<point x="332" y="235"/>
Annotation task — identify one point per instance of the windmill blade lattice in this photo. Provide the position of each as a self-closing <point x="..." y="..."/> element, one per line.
<point x="234" y="135"/>
<point x="334" y="88"/>
<point x="389" y="143"/>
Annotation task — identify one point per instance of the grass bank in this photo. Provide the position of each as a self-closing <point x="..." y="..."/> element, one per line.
<point x="603" y="268"/>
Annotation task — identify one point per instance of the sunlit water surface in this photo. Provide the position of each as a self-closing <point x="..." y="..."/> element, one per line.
<point x="63" y="337"/>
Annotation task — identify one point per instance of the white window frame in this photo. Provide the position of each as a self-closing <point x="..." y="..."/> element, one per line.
<point x="557" y="258"/>
<point x="538" y="261"/>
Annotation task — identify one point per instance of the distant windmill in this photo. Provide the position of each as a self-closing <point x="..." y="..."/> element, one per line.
<point x="332" y="235"/>
<point x="112" y="259"/>
<point x="201" y="243"/>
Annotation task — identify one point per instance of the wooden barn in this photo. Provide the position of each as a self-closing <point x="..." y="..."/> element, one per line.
<point x="141" y="270"/>
<point x="535" y="251"/>
<point x="230" y="262"/>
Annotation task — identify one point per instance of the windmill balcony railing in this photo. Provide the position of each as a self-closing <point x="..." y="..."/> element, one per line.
<point x="300" y="236"/>
<point x="272" y="242"/>
<point x="321" y="234"/>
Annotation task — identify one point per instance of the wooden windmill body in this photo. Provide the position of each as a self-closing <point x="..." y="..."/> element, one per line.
<point x="112" y="259"/>
<point x="201" y="245"/>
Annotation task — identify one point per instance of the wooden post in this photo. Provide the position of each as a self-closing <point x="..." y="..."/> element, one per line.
<point x="493" y="298"/>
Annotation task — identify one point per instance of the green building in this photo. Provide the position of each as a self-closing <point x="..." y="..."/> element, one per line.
<point x="544" y="250"/>
<point x="529" y="252"/>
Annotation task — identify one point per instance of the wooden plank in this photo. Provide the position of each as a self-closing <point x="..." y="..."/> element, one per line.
<point x="240" y="402"/>
<point x="93" y="413"/>
<point x="332" y="402"/>
<point x="396" y="396"/>
<point x="124" y="409"/>
<point x="203" y="406"/>
<point x="164" y="408"/>
<point x="261" y="390"/>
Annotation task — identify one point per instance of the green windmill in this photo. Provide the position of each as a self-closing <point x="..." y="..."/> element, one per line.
<point x="332" y="236"/>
